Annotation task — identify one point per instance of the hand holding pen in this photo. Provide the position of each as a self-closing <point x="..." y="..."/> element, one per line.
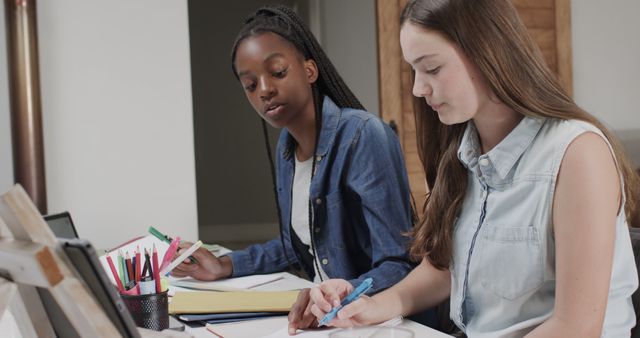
<point x="352" y="311"/>
<point x="208" y="266"/>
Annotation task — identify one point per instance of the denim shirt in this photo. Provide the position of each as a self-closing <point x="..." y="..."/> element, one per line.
<point x="503" y="270"/>
<point x="360" y="199"/>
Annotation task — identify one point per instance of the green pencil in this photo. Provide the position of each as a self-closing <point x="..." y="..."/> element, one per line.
<point x="121" y="268"/>
<point x="159" y="235"/>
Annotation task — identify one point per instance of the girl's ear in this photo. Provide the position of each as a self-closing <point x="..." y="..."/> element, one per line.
<point x="311" y="70"/>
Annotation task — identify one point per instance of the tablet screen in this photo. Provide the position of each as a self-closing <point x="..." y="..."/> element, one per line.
<point x="85" y="262"/>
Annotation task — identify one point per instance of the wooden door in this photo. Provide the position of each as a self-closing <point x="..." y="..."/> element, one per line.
<point x="549" y="22"/>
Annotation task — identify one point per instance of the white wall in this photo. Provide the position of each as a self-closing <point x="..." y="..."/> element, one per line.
<point x="117" y="115"/>
<point x="606" y="60"/>
<point x="6" y="161"/>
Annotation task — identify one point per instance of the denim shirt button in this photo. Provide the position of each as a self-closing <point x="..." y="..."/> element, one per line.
<point x="325" y="261"/>
<point x="316" y="230"/>
<point x="318" y="158"/>
<point x="318" y="201"/>
<point x="484" y="162"/>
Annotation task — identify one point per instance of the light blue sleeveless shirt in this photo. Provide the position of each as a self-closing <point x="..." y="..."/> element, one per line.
<point x="503" y="267"/>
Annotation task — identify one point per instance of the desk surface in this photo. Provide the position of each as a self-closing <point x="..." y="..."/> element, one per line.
<point x="264" y="327"/>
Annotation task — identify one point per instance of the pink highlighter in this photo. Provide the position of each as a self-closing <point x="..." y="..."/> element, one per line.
<point x="173" y="247"/>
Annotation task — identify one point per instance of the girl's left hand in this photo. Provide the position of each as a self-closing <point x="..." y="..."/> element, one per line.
<point x="300" y="316"/>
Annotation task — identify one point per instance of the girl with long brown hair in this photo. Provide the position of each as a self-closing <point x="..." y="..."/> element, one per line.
<point x="525" y="227"/>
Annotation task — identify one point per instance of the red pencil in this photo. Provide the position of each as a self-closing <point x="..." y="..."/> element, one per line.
<point x="173" y="248"/>
<point x="156" y="271"/>
<point x="115" y="274"/>
<point x="138" y="265"/>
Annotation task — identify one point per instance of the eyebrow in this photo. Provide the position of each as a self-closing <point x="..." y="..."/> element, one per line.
<point x="420" y="58"/>
<point x="269" y="58"/>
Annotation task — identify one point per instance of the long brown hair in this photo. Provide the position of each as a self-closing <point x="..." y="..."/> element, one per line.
<point x="491" y="34"/>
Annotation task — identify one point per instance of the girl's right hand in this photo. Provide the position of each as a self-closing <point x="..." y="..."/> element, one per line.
<point x="329" y="294"/>
<point x="208" y="268"/>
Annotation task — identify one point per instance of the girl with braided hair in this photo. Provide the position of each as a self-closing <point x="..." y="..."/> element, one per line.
<point x="340" y="183"/>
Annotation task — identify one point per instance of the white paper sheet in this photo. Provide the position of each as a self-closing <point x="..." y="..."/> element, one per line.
<point x="324" y="333"/>
<point x="228" y="284"/>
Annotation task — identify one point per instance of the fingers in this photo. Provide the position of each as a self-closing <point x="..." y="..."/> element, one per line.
<point x="348" y="316"/>
<point x="181" y="246"/>
<point x="331" y="295"/>
<point x="297" y="309"/>
<point x="308" y="319"/>
<point x="302" y="321"/>
<point x="293" y="322"/>
<point x="353" y="309"/>
<point x="317" y="311"/>
<point x="185" y="267"/>
<point x="185" y="245"/>
<point x="318" y="298"/>
<point x="335" y="322"/>
<point x="297" y="312"/>
<point x="178" y="273"/>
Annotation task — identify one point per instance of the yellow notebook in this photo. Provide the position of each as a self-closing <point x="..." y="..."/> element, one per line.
<point x="221" y="302"/>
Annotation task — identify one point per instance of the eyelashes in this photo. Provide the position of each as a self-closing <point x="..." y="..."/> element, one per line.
<point x="278" y="75"/>
<point x="433" y="71"/>
<point x="281" y="73"/>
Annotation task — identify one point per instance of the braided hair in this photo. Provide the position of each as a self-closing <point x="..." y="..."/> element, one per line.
<point x="284" y="22"/>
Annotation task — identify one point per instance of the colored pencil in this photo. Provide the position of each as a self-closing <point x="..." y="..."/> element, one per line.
<point x="156" y="271"/>
<point x="115" y="274"/>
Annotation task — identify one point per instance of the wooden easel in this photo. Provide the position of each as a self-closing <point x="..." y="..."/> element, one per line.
<point x="30" y="258"/>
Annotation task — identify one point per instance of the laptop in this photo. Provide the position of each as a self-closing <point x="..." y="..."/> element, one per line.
<point x="62" y="225"/>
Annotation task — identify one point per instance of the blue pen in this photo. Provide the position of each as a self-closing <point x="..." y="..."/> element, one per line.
<point x="355" y="294"/>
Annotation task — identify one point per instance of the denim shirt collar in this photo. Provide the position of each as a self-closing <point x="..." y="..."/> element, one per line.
<point x="504" y="155"/>
<point x="331" y="115"/>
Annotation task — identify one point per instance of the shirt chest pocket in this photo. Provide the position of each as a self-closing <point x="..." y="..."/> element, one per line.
<point x="511" y="260"/>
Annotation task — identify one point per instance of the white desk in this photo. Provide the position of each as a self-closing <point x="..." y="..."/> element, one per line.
<point x="263" y="327"/>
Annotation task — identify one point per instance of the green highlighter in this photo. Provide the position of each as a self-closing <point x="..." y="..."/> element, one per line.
<point x="167" y="239"/>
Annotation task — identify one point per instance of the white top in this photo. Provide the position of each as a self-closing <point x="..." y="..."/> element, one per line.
<point x="300" y="208"/>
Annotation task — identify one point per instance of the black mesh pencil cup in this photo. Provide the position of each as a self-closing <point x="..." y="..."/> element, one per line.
<point x="149" y="311"/>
